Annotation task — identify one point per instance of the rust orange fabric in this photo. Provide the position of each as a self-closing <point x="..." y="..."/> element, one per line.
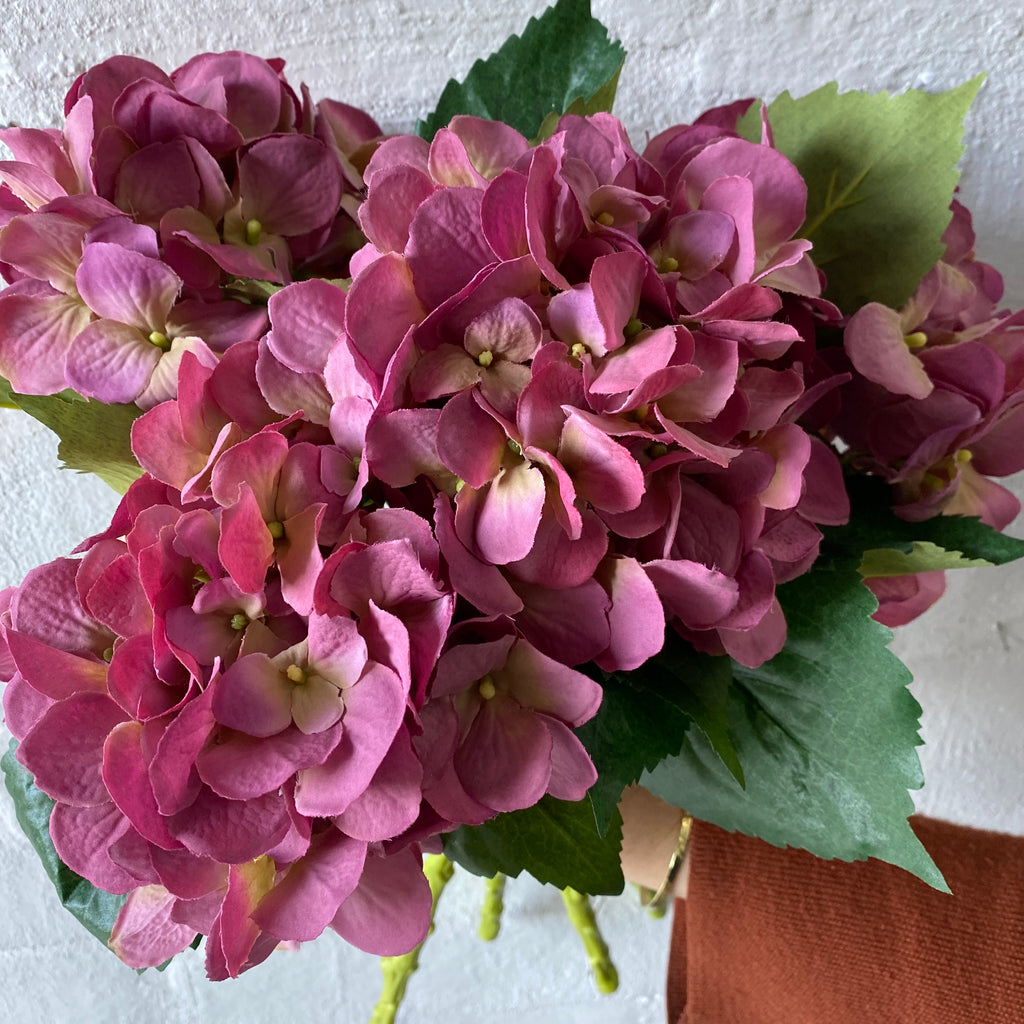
<point x="769" y="936"/>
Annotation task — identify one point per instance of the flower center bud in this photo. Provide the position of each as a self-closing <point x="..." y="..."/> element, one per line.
<point x="161" y="341"/>
<point x="239" y="620"/>
<point x="579" y="350"/>
<point x="916" y="340"/>
<point x="964" y="456"/>
<point x="295" y="673"/>
<point x="108" y="654"/>
<point x="252" y="231"/>
<point x="668" y="264"/>
<point x="485" y="358"/>
<point x="487" y="688"/>
<point x="656" y="450"/>
<point x="515" y="447"/>
<point x="633" y="327"/>
<point x="605" y="219"/>
<point x="276" y="529"/>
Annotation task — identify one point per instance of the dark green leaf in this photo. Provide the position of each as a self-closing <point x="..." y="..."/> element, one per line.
<point x="94" y="437"/>
<point x="698" y="685"/>
<point x="97" y="910"/>
<point x="562" y="57"/>
<point x="633" y="730"/>
<point x="556" y="841"/>
<point x="874" y="526"/>
<point x="880" y="173"/>
<point x="826" y="732"/>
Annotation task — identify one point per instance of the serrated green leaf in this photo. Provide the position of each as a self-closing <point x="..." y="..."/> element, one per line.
<point x="556" y="841"/>
<point x="698" y="685"/>
<point x="826" y="732"/>
<point x="632" y="731"/>
<point x="923" y="556"/>
<point x="562" y="57"/>
<point x="880" y="173"/>
<point x="873" y="525"/>
<point x="94" y="437"/>
<point x="95" y="909"/>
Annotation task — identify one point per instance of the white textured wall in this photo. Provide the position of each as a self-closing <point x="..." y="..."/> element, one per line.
<point x="393" y="58"/>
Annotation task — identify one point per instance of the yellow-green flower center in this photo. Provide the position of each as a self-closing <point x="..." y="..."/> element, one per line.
<point x="161" y="341"/>
<point x="296" y="673"/>
<point x="253" y="228"/>
<point x="487" y="689"/>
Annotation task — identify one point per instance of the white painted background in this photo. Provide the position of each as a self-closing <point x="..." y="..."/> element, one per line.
<point x="393" y="58"/>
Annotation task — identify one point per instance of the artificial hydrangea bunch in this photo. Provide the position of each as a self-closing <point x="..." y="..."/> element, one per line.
<point x="391" y="530"/>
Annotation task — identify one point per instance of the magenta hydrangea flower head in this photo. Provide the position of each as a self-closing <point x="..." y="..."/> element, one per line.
<point x="215" y="172"/>
<point x="917" y="422"/>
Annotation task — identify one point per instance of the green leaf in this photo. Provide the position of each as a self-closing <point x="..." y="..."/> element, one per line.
<point x="873" y="525"/>
<point x="556" y="841"/>
<point x="632" y="731"/>
<point x="826" y="732"/>
<point x="94" y="437"/>
<point x="95" y="909"/>
<point x="699" y="685"/>
<point x="880" y="173"/>
<point x="923" y="556"/>
<point x="562" y="58"/>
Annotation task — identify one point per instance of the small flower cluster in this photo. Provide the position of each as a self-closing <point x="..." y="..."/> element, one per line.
<point x="935" y="404"/>
<point x="573" y="395"/>
<point x="123" y="234"/>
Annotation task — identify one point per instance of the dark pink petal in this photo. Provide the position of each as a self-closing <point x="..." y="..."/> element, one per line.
<point x="780" y="194"/>
<point x="500" y="521"/>
<point x="246" y="547"/>
<point x="83" y="836"/>
<point x="240" y="767"/>
<point x="392" y="202"/>
<point x="470" y="442"/>
<point x="568" y="623"/>
<point x="572" y="771"/>
<point x="446" y="245"/>
<point x="790" y="446"/>
<point x="172" y="772"/>
<point x="699" y="596"/>
<point x="242" y="88"/>
<point x="126" y="776"/>
<point x="544" y="684"/>
<point x="53" y="672"/>
<point x="118" y="600"/>
<point x="303" y="903"/>
<point x="111" y="362"/>
<point x="388" y="914"/>
<point x="873" y="340"/>
<point x="505" y="759"/>
<point x="391" y="802"/>
<point x="64" y="751"/>
<point x="308" y="317"/>
<point x="155" y="180"/>
<point x="187" y="876"/>
<point x="254" y="696"/>
<point x="374" y="709"/>
<point x="231" y="831"/>
<point x="503" y="215"/>
<point x="144" y="934"/>
<point x="23" y="706"/>
<point x="602" y="470"/>
<point x="636" y="618"/>
<point x="234" y="942"/>
<point x="36" y="332"/>
<point x="901" y="599"/>
<point x="291" y="184"/>
<point x="45" y="246"/>
<point x="381" y="307"/>
<point x="754" y="646"/>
